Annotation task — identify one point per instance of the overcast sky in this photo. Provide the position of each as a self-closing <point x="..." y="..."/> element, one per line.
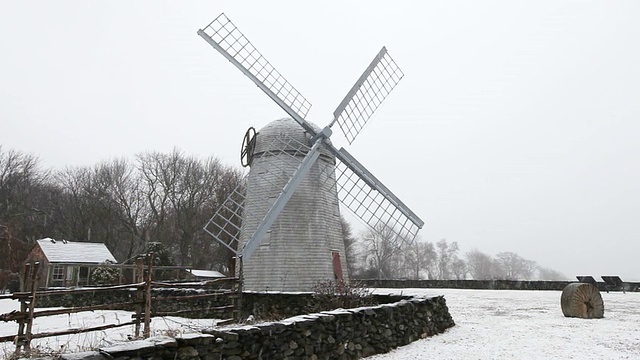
<point x="515" y="128"/>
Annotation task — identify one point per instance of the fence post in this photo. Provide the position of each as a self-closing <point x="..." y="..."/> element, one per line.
<point x="138" y="295"/>
<point x="32" y="305"/>
<point x="23" y="309"/>
<point x="147" y="300"/>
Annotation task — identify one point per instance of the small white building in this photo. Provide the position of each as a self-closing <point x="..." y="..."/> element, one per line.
<point x="205" y="274"/>
<point x="66" y="263"/>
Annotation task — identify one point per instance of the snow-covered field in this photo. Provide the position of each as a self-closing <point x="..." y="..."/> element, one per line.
<point x="506" y="324"/>
<point x="490" y="324"/>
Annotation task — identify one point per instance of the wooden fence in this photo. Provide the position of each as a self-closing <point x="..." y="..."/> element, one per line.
<point x="142" y="301"/>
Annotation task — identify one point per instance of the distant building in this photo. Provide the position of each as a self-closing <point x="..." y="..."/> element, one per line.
<point x="204" y="274"/>
<point x="64" y="263"/>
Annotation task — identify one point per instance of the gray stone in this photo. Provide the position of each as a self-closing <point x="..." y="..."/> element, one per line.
<point x="128" y="349"/>
<point x="232" y="351"/>
<point x="308" y="349"/>
<point x="188" y="352"/>
<point x="88" y="355"/>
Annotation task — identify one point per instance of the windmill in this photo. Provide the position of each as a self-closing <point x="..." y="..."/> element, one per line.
<point x="283" y="221"/>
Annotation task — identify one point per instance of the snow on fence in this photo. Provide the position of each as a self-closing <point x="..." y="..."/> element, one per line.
<point x="141" y="302"/>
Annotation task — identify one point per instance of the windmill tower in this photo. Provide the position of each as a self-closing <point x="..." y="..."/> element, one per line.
<point x="283" y="222"/>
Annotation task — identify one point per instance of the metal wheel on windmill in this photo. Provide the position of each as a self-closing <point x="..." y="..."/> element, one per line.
<point x="283" y="222"/>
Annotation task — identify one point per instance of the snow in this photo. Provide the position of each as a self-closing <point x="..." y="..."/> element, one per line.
<point x="506" y="324"/>
<point x="206" y="273"/>
<point x="490" y="324"/>
<point x="75" y="252"/>
<point x="169" y="325"/>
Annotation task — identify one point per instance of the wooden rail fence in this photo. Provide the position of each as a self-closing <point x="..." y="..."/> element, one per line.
<point x="142" y="303"/>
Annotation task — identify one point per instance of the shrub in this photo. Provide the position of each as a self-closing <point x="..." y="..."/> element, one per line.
<point x="338" y="294"/>
<point x="105" y="275"/>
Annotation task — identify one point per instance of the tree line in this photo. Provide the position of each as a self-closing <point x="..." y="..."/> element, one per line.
<point x="159" y="197"/>
<point x="161" y="201"/>
<point x="383" y="254"/>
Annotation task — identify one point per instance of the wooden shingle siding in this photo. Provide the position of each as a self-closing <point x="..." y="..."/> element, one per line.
<point x="297" y="253"/>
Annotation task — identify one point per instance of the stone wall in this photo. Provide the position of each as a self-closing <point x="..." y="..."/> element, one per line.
<point x="261" y="305"/>
<point x="337" y="334"/>
<point x="281" y="305"/>
<point x="471" y="284"/>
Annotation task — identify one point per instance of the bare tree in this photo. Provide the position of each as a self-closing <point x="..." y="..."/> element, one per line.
<point x="458" y="268"/>
<point x="12" y="251"/>
<point x="120" y="193"/>
<point x="514" y="267"/>
<point x="481" y="266"/>
<point x="350" y="247"/>
<point x="182" y="193"/>
<point x="550" y="274"/>
<point x="446" y="253"/>
<point x="19" y="173"/>
<point x="420" y="257"/>
<point x="159" y="178"/>
<point x="76" y="214"/>
<point x="382" y="249"/>
<point x="96" y="204"/>
<point x="22" y="195"/>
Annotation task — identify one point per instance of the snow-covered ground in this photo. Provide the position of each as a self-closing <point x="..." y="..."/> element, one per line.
<point x="169" y="325"/>
<point x="505" y="324"/>
<point x="490" y="324"/>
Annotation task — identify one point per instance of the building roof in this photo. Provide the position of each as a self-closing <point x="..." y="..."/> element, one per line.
<point x="206" y="273"/>
<point x="75" y="252"/>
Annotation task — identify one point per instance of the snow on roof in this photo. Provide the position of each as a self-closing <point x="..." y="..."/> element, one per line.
<point x="75" y="252"/>
<point x="207" y="273"/>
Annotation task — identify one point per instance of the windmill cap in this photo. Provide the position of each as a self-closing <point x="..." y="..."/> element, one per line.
<point x="285" y="135"/>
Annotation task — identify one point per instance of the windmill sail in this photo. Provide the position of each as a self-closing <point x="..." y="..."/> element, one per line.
<point x="367" y="198"/>
<point x="373" y="86"/>
<point x="225" y="37"/>
<point x="224" y="225"/>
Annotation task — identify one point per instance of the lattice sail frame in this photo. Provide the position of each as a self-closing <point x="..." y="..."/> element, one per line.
<point x="369" y="204"/>
<point x="373" y="86"/>
<point x="227" y="36"/>
<point x="226" y="222"/>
